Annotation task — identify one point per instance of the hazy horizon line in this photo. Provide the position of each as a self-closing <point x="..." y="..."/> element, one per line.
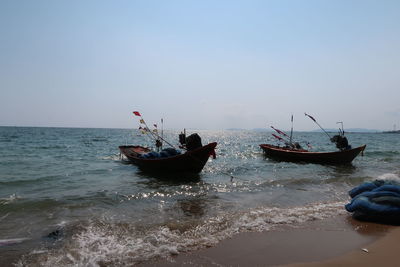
<point x="366" y="130"/>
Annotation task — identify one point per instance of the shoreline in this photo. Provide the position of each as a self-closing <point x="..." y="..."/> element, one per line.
<point x="334" y="241"/>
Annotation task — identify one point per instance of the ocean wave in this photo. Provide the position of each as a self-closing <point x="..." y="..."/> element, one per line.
<point x="51" y="147"/>
<point x="380" y="153"/>
<point x="99" y="139"/>
<point x="20" y="204"/>
<point x="103" y="243"/>
<point x="12" y="241"/>
<point x="12" y="198"/>
<point x="17" y="182"/>
<point x="114" y="157"/>
<point x="389" y="177"/>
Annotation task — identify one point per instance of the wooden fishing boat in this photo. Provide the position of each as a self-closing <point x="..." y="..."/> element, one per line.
<point x="301" y="155"/>
<point x="192" y="161"/>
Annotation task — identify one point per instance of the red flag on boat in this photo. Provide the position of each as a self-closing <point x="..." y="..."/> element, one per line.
<point x="311" y="117"/>
<point x="279" y="131"/>
<point x="212" y="153"/>
<point x="137" y="113"/>
<point x="277" y="137"/>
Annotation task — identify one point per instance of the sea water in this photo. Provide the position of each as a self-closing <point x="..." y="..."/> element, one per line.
<point x="67" y="198"/>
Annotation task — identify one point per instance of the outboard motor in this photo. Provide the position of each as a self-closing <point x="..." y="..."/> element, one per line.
<point x="193" y="141"/>
<point x="341" y="142"/>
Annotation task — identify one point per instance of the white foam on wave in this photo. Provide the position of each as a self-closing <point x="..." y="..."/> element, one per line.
<point x="122" y="244"/>
<point x="114" y="157"/>
<point x="389" y="177"/>
<point x="12" y="198"/>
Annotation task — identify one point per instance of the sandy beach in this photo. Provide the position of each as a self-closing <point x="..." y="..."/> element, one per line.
<point x="340" y="241"/>
<point x="382" y="252"/>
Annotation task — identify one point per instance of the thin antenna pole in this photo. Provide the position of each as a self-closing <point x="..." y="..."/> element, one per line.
<point x="311" y="117"/>
<point x="342" y="133"/>
<point x="155" y="135"/>
<point x="291" y="132"/>
<point x="162" y="130"/>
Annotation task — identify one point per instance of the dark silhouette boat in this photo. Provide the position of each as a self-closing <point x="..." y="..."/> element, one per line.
<point x="192" y="161"/>
<point x="301" y="155"/>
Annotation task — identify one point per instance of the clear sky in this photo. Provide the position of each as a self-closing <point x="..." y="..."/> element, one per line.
<point x="200" y="64"/>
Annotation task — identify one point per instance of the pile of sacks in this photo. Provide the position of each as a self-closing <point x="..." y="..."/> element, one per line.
<point x="377" y="201"/>
<point x="165" y="153"/>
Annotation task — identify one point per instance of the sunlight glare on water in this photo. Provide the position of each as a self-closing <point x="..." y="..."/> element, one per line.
<point x="72" y="183"/>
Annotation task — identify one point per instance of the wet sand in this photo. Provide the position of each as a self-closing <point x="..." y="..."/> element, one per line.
<point x="383" y="252"/>
<point x="339" y="241"/>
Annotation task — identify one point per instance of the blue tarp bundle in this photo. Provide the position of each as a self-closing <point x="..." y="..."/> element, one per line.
<point x="377" y="201"/>
<point x="165" y="153"/>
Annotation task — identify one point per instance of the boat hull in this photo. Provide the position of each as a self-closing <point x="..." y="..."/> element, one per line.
<point x="337" y="157"/>
<point x="191" y="162"/>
